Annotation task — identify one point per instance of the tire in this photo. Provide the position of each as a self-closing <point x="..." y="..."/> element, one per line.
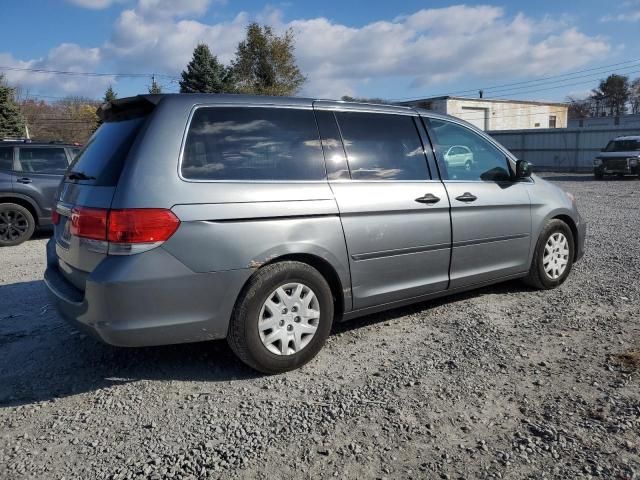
<point x="538" y="276"/>
<point x="16" y="224"/>
<point x="468" y="165"/>
<point x="245" y="336"/>
<point x="598" y="175"/>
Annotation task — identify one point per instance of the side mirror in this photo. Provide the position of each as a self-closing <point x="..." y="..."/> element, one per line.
<point x="523" y="169"/>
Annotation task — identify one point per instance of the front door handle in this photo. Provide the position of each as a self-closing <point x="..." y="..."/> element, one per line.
<point x="466" y="197"/>
<point x="428" y="198"/>
<point x="24" y="180"/>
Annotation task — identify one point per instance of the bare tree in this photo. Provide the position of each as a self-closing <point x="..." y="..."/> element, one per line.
<point x="580" y="107"/>
<point x="634" y="96"/>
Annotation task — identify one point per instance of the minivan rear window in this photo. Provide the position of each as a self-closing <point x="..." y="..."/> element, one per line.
<point x="252" y="143"/>
<point x="102" y="159"/>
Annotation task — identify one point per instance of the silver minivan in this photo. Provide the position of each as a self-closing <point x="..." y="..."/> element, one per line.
<point x="264" y="220"/>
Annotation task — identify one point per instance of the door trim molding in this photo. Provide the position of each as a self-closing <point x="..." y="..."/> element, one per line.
<point x="400" y="251"/>
<point x="477" y="241"/>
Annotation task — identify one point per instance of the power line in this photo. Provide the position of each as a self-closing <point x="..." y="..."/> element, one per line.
<point x="552" y="87"/>
<point x="85" y="74"/>
<point x="524" y="82"/>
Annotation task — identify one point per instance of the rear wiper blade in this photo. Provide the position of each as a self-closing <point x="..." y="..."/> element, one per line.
<point x="79" y="176"/>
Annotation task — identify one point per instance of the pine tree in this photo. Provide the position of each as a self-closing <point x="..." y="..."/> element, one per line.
<point x="109" y="95"/>
<point x="205" y="74"/>
<point x="11" y="120"/>
<point x="155" y="87"/>
<point x="265" y="63"/>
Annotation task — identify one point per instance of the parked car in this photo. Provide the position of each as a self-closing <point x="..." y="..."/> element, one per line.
<point x="620" y="157"/>
<point x="459" y="156"/>
<point x="264" y="220"/>
<point x="30" y="173"/>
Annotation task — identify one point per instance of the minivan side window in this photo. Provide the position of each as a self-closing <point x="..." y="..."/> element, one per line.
<point x="252" y="143"/>
<point x="465" y="155"/>
<point x="43" y="160"/>
<point x="6" y="158"/>
<point x="382" y="146"/>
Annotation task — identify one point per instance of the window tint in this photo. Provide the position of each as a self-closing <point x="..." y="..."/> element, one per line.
<point x="42" y="160"/>
<point x="6" y="158"/>
<point x="382" y="147"/>
<point x="475" y="158"/>
<point x="233" y="143"/>
<point x="104" y="155"/>
<point x="334" y="156"/>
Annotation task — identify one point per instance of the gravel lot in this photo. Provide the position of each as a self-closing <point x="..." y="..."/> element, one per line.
<point x="504" y="382"/>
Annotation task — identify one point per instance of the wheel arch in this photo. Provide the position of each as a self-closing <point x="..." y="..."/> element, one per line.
<point x="323" y="266"/>
<point x="574" y="230"/>
<point x="23" y="202"/>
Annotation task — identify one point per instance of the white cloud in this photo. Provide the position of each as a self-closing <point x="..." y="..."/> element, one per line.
<point x="67" y="57"/>
<point x="630" y="13"/>
<point x="95" y="4"/>
<point x="163" y="44"/>
<point x="434" y="46"/>
<point x="172" y="8"/>
<point x="426" y="48"/>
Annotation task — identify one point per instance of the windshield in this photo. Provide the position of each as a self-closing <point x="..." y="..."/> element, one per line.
<point x="623" y="146"/>
<point x="102" y="159"/>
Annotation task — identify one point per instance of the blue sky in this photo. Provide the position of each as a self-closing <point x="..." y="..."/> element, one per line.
<point x="383" y="49"/>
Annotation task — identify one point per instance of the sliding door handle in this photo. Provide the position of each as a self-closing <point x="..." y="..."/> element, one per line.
<point x="428" y="198"/>
<point x="466" y="197"/>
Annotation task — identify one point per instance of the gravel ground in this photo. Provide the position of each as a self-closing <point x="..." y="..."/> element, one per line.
<point x="504" y="382"/>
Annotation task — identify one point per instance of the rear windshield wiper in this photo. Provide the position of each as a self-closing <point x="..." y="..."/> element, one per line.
<point x="79" y="176"/>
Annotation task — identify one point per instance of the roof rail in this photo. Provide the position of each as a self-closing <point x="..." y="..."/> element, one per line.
<point x="16" y="139"/>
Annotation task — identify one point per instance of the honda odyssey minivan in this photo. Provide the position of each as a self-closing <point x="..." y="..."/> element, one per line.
<point x="264" y="220"/>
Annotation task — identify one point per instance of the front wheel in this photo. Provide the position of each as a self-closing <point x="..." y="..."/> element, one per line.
<point x="553" y="257"/>
<point x="598" y="175"/>
<point x="16" y="224"/>
<point x="282" y="318"/>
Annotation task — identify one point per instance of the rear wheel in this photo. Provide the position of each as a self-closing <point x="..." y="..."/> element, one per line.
<point x="553" y="257"/>
<point x="16" y="224"/>
<point x="282" y="318"/>
<point x="468" y="165"/>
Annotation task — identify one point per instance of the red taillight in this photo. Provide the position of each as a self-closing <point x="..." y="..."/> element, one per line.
<point x="89" y="223"/>
<point x="55" y="216"/>
<point x="135" y="225"/>
<point x="141" y="225"/>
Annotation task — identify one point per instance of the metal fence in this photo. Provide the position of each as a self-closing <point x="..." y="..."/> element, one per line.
<point x="560" y="149"/>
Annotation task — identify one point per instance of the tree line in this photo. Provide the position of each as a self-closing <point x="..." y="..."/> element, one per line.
<point x="264" y="64"/>
<point x="616" y="95"/>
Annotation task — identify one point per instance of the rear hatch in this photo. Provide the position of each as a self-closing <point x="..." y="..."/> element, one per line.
<point x="90" y="183"/>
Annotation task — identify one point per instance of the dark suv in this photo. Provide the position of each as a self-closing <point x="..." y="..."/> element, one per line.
<point x="30" y="173"/>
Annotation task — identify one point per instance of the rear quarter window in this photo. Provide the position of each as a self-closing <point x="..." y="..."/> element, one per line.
<point x="252" y="143"/>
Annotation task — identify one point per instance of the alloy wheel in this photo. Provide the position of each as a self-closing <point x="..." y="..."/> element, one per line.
<point x="13" y="225"/>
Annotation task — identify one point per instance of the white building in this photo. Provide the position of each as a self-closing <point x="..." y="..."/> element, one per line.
<point x="490" y="114"/>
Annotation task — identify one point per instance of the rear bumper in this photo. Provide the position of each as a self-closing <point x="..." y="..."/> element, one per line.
<point x="146" y="299"/>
